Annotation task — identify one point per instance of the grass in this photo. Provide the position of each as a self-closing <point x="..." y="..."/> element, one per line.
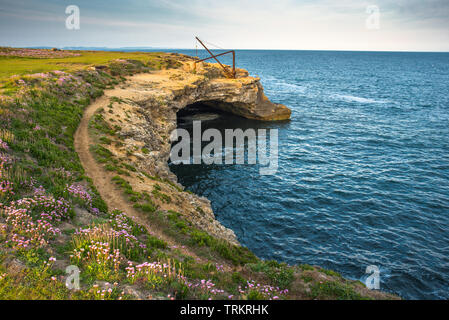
<point x="280" y="274"/>
<point x="160" y="195"/>
<point x="32" y="284"/>
<point x="10" y="66"/>
<point x="236" y="254"/>
<point x="333" y="290"/>
<point x="38" y="127"/>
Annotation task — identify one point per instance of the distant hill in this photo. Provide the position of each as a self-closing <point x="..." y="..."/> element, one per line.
<point x="111" y="49"/>
<point x="101" y="48"/>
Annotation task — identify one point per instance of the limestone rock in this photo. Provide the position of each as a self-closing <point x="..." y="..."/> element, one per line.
<point x="152" y="101"/>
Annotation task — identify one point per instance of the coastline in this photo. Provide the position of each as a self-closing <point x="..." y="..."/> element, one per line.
<point x="128" y="140"/>
<point x="146" y="106"/>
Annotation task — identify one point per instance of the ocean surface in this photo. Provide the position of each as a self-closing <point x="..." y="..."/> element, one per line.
<point x="363" y="174"/>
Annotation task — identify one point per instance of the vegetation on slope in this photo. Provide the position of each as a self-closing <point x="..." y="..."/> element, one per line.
<point x="51" y="216"/>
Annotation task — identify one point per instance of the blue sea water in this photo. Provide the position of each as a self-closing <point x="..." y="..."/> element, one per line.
<point x="363" y="174"/>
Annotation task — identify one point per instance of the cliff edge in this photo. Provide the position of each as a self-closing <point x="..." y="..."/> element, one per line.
<point x="145" y="108"/>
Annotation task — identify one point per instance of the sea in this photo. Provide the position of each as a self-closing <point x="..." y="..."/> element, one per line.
<point x="363" y="176"/>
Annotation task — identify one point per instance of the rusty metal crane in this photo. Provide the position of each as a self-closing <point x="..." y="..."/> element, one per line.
<point x="230" y="74"/>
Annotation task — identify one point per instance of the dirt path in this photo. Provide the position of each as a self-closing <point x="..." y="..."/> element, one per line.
<point x="102" y="179"/>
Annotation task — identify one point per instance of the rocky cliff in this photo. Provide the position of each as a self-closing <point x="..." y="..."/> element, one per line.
<point x="145" y="110"/>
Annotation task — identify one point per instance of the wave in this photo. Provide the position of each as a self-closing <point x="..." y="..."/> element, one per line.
<point x="201" y="117"/>
<point x="282" y="86"/>
<point x="350" y="98"/>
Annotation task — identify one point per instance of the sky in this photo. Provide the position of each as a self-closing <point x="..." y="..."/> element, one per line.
<point x="375" y="25"/>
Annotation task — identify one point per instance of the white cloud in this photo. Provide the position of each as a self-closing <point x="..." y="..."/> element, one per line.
<point x="281" y="24"/>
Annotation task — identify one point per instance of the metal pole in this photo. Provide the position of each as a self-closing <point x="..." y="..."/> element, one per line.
<point x="218" y="55"/>
<point x="233" y="63"/>
<point x="224" y="68"/>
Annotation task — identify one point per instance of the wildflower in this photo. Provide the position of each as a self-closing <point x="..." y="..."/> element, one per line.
<point x="80" y="192"/>
<point x="31" y="221"/>
<point x="3" y="145"/>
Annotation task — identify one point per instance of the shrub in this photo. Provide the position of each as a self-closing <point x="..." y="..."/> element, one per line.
<point x="334" y="290"/>
<point x="145" y="207"/>
<point x="156" y="243"/>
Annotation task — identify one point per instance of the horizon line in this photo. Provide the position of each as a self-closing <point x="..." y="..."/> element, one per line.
<point x="97" y="48"/>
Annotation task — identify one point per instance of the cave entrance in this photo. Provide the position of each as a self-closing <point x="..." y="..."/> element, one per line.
<point x="212" y="114"/>
<point x="209" y="112"/>
<point x="197" y="112"/>
<point x="210" y="117"/>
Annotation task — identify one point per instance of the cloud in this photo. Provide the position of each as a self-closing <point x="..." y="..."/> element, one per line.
<point x="288" y="24"/>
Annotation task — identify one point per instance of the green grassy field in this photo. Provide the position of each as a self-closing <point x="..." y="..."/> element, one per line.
<point x="22" y="65"/>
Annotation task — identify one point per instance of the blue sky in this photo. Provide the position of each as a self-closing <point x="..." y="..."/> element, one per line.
<point x="404" y="25"/>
